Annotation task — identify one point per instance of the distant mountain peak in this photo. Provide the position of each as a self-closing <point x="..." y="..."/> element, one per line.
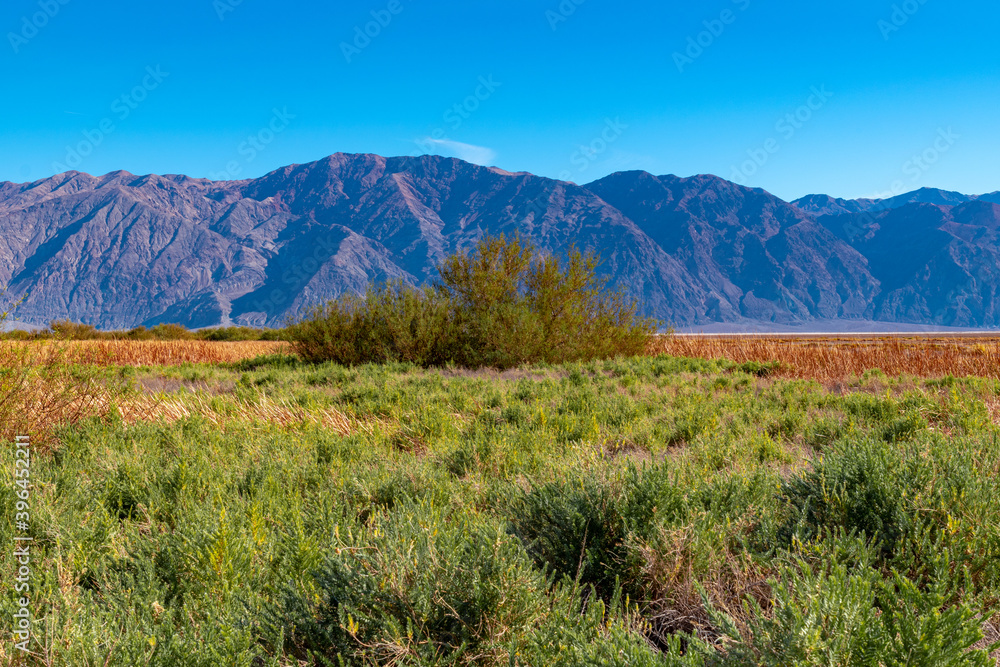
<point x="825" y="205"/>
<point x="122" y="249"/>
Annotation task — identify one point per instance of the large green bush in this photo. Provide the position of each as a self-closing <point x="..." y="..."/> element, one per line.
<point x="501" y="305"/>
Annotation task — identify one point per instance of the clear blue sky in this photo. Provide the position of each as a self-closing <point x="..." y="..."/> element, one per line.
<point x="576" y="89"/>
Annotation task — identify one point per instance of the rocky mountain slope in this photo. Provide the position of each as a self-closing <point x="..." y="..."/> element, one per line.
<point x="935" y="264"/>
<point x="758" y="258"/>
<point x="121" y="250"/>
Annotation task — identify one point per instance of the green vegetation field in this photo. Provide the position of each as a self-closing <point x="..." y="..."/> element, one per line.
<point x="646" y="511"/>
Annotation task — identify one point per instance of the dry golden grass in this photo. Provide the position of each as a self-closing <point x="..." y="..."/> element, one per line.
<point x="824" y="358"/>
<point x="152" y="353"/>
<point x="838" y="358"/>
<point x="39" y="390"/>
<point x="220" y="412"/>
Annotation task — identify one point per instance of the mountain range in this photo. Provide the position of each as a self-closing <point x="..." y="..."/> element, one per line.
<point x="122" y="250"/>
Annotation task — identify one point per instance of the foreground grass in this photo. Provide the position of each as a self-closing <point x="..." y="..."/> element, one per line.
<point x="652" y="511"/>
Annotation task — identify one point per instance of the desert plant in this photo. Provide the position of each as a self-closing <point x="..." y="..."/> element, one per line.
<point x="171" y="332"/>
<point x="419" y="585"/>
<point x="513" y="307"/>
<point x="40" y="388"/>
<point x="578" y="529"/>
<point x="841" y="615"/>
<point x="859" y="487"/>
<point x="68" y="330"/>
<point x="393" y="323"/>
<point x="498" y="305"/>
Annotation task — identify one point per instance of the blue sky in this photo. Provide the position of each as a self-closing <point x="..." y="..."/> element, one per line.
<point x="852" y="98"/>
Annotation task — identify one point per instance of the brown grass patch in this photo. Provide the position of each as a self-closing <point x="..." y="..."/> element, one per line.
<point x="144" y="408"/>
<point x="993" y="407"/>
<point x="837" y="358"/>
<point x="152" y="352"/>
<point x="165" y="385"/>
<point x="39" y="391"/>
<point x="728" y="579"/>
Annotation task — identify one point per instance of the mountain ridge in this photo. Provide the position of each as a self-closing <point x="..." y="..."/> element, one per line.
<point x="121" y="249"/>
<point x="819" y="204"/>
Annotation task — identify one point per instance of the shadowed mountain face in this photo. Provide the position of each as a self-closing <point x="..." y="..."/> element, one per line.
<point x="121" y="250"/>
<point x="757" y="257"/>
<point x="936" y="264"/>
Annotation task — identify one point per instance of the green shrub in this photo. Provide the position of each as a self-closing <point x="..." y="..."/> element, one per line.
<point x="580" y="528"/>
<point x="125" y="492"/>
<point x="498" y="306"/>
<point x="759" y="368"/>
<point x="580" y="631"/>
<point x="839" y="615"/>
<point x="236" y="334"/>
<point x="859" y="486"/>
<point x="139" y="333"/>
<point x="418" y="584"/>
<point x="575" y="529"/>
<point x="393" y="323"/>
<point x="171" y="332"/>
<point x="66" y="330"/>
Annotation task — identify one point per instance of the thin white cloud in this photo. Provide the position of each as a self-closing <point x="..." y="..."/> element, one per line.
<point x="475" y="154"/>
